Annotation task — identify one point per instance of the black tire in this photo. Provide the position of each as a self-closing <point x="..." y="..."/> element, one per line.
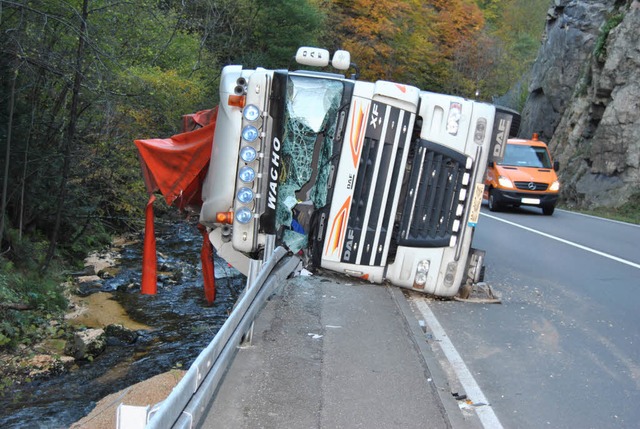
<point x="548" y="210"/>
<point x="465" y="291"/>
<point x="493" y="205"/>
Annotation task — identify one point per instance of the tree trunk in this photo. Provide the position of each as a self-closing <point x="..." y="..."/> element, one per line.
<point x="69" y="136"/>
<point x="3" y="207"/>
<point x="25" y="169"/>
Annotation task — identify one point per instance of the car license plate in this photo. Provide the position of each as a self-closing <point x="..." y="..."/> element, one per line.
<point x="530" y="201"/>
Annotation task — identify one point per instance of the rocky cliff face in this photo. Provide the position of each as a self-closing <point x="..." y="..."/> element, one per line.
<point x="584" y="99"/>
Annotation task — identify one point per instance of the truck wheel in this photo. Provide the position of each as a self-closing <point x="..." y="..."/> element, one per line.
<point x="465" y="291"/>
<point x="493" y="205"/>
<point x="548" y="210"/>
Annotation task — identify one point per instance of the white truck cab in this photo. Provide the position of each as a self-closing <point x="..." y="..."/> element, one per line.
<point x="378" y="180"/>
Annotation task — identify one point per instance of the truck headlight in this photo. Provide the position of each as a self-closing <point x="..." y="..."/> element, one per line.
<point x="247" y="174"/>
<point x="244" y="215"/>
<point x="248" y="154"/>
<point x="453" y="120"/>
<point x="555" y="186"/>
<point x="421" y="272"/>
<point x="250" y="133"/>
<point x="505" y="182"/>
<point x="251" y="112"/>
<point x="245" y="195"/>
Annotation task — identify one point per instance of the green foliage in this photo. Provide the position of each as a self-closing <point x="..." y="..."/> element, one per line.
<point x="27" y="302"/>
<point x="146" y="63"/>
<point x="599" y="50"/>
<point x="628" y="212"/>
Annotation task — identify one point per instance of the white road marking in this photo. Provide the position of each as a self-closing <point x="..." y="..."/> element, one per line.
<point x="601" y="218"/>
<point x="481" y="406"/>
<point x="562" y="240"/>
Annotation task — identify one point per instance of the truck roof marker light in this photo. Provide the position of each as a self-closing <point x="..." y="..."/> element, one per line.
<point x="250" y="133"/>
<point x="248" y="154"/>
<point x="237" y="101"/>
<point x="341" y="60"/>
<point x="251" y="112"/>
<point x="224" y="217"/>
<point x="534" y="136"/>
<point x="245" y="195"/>
<point x="310" y="56"/>
<point x="247" y="174"/>
<point x="244" y="216"/>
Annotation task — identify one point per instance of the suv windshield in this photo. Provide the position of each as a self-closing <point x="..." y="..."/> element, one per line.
<point x="526" y="156"/>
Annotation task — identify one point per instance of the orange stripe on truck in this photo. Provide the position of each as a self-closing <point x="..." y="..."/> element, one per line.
<point x="336" y="235"/>
<point x="357" y="131"/>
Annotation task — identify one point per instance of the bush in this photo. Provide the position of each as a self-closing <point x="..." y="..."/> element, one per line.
<point x="28" y="301"/>
<point x="600" y="50"/>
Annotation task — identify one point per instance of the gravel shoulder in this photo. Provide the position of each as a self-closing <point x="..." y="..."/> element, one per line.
<point x="148" y="392"/>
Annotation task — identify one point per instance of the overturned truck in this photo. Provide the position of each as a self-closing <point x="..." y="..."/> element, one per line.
<point x="376" y="180"/>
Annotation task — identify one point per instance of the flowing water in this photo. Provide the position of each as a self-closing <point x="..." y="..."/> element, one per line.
<point x="181" y="322"/>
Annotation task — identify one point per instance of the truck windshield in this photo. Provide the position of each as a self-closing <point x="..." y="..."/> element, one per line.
<point x="526" y="156"/>
<point x="310" y="117"/>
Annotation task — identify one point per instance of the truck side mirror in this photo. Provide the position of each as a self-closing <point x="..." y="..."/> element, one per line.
<point x="556" y="165"/>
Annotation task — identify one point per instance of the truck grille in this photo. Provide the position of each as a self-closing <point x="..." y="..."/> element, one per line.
<point x="531" y="186"/>
<point x="432" y="209"/>
<point x="376" y="185"/>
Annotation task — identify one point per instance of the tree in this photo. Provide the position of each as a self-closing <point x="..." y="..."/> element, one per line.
<point x="138" y="71"/>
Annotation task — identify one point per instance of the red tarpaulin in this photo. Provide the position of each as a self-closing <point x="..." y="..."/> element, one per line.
<point x="176" y="167"/>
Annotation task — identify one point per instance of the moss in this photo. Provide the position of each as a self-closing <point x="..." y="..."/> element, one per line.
<point x="628" y="212"/>
<point x="600" y="51"/>
<point x="29" y="302"/>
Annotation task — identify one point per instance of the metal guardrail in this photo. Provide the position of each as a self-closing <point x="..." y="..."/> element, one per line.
<point x="185" y="405"/>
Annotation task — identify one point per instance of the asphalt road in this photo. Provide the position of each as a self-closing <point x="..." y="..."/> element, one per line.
<point x="563" y="348"/>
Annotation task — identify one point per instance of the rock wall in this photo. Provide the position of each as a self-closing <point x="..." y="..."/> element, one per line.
<point x="584" y="99"/>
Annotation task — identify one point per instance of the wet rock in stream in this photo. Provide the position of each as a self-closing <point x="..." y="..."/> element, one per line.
<point x="162" y="331"/>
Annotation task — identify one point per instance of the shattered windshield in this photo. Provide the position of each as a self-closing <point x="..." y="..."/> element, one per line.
<point x="526" y="156"/>
<point x="311" y="110"/>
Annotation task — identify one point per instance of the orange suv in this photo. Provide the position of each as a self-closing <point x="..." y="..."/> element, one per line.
<point x="525" y="176"/>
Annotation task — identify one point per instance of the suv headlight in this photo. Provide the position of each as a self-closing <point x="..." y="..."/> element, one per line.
<point x="505" y="182"/>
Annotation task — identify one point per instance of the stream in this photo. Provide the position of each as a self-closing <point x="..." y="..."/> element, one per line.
<point x="181" y="322"/>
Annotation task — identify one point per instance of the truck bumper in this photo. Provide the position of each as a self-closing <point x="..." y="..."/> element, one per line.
<point x="514" y="198"/>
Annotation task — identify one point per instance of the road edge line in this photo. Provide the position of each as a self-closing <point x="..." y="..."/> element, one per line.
<point x="562" y="240"/>
<point x="482" y="406"/>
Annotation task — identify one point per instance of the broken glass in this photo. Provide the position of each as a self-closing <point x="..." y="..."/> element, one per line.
<point x="310" y="119"/>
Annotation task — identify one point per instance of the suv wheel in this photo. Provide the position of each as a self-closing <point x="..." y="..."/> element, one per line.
<point x="493" y="205"/>
<point x="548" y="210"/>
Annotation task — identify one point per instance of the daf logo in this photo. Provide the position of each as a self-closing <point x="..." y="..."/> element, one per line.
<point x="531" y="186"/>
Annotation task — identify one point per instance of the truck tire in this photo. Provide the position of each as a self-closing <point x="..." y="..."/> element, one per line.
<point x="548" y="210"/>
<point x="493" y="205"/>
